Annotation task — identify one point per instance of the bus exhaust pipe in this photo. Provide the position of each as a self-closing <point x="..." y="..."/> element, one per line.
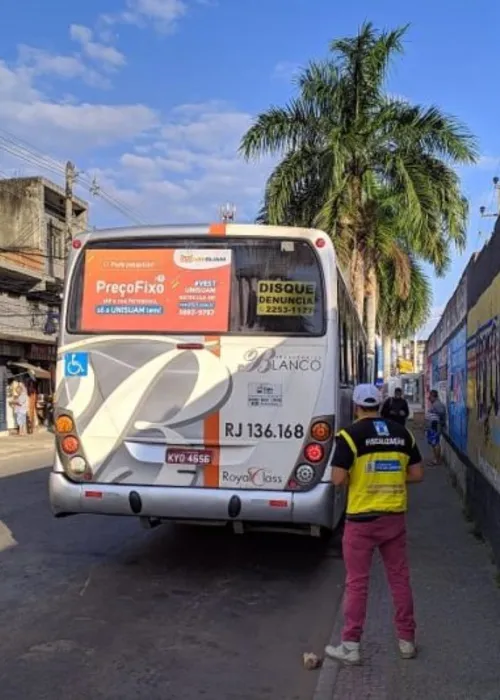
<point x="150" y="523"/>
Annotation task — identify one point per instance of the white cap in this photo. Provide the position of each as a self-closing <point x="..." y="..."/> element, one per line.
<point x="367" y="396"/>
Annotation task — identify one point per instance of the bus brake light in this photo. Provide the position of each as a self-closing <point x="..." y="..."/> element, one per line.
<point x="70" y="445"/>
<point x="314" y="453"/>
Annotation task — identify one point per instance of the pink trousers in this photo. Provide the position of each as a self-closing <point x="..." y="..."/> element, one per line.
<point x="388" y="533"/>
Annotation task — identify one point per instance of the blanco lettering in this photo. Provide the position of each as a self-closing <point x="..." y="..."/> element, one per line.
<point x="269" y="361"/>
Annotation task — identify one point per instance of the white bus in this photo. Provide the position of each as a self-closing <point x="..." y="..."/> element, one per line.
<point x="202" y="372"/>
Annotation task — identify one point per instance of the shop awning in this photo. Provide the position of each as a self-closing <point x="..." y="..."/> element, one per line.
<point x="37" y="372"/>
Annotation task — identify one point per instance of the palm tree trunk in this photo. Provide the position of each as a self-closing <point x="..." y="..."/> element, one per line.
<point x="387" y="350"/>
<point x="371" y="288"/>
<point x="357" y="280"/>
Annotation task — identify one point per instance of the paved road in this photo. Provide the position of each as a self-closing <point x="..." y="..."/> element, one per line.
<point x="98" y="608"/>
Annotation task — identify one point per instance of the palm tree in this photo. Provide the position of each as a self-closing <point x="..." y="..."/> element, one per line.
<point x="352" y="157"/>
<point x="401" y="314"/>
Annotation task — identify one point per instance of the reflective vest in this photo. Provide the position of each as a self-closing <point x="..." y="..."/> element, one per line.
<point x="377" y="480"/>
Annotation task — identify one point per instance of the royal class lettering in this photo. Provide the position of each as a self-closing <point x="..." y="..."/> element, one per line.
<point x="123" y="288"/>
<point x="278" y="431"/>
<point x="269" y="361"/>
<point x="254" y="476"/>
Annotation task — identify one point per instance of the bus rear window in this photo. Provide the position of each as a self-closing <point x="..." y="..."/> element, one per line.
<point x="198" y="286"/>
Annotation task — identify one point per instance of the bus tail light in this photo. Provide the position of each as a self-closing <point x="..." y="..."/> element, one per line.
<point x="311" y="462"/>
<point x="77" y="466"/>
<point x="69" y="448"/>
<point x="64" y="424"/>
<point x="305" y="474"/>
<point x="321" y="431"/>
<point x="314" y="453"/>
<point x="70" y="445"/>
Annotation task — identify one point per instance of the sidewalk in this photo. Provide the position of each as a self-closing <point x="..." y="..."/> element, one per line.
<point x="457" y="596"/>
<point x="14" y="446"/>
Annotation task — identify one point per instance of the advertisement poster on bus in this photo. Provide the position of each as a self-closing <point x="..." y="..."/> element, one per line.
<point x="156" y="290"/>
<point x="285" y="298"/>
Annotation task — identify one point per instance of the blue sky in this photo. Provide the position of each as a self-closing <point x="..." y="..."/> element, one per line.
<point x="151" y="97"/>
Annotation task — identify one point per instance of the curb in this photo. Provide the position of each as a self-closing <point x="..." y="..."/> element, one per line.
<point x="325" y="687"/>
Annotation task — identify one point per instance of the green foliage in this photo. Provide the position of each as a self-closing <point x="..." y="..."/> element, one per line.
<point x="375" y="172"/>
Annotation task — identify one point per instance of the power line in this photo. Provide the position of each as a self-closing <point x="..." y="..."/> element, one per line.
<point x="25" y="151"/>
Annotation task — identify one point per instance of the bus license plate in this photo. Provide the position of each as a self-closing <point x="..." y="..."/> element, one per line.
<point x="197" y="458"/>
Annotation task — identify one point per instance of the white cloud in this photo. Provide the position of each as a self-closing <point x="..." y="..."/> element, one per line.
<point x="79" y="126"/>
<point x="162" y="14"/>
<point x="188" y="173"/>
<point x="178" y="166"/>
<point x="434" y="318"/>
<point x="106" y="55"/>
<point x="37" y="62"/>
<point x="15" y="84"/>
<point x="98" y="124"/>
<point x="206" y="127"/>
<point x="286" y="70"/>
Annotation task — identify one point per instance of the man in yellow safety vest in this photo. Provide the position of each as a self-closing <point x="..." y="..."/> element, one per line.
<point x="376" y="459"/>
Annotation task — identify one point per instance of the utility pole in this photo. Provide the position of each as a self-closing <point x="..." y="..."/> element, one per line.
<point x="70" y="177"/>
<point x="487" y="214"/>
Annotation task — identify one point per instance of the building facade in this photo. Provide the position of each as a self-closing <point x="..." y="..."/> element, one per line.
<point x="463" y="365"/>
<point x="33" y="244"/>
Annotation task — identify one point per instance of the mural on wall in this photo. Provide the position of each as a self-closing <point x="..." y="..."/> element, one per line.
<point x="442" y="386"/>
<point x="483" y="390"/>
<point x="434" y="372"/>
<point x="457" y="389"/>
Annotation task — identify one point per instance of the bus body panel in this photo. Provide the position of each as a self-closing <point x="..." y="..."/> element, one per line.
<point x="187" y="428"/>
<point x="146" y="411"/>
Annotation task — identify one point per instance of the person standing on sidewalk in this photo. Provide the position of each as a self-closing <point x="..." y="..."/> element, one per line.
<point x="435" y="422"/>
<point x="396" y="408"/>
<point x="375" y="459"/>
<point x="21" y="408"/>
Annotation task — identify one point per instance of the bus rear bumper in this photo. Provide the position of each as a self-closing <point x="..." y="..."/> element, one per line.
<point x="310" y="508"/>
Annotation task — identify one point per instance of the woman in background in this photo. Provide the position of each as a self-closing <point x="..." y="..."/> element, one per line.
<point x="21" y="407"/>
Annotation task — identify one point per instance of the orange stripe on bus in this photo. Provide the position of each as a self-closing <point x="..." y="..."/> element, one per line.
<point x="217" y="229"/>
<point x="211" y="425"/>
<point x="211" y="432"/>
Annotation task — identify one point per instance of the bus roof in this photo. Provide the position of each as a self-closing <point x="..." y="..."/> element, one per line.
<point x="203" y="229"/>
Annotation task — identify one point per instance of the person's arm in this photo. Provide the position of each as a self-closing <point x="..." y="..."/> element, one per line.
<point x="342" y="461"/>
<point x="415" y="472"/>
<point x="406" y="408"/>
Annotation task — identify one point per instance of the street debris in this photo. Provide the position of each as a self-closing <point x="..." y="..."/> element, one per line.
<point x="311" y="661"/>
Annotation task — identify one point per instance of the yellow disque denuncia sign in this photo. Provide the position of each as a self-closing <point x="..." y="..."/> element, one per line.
<point x="282" y="298"/>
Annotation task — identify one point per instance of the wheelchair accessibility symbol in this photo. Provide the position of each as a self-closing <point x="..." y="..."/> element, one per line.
<point x="76" y="364"/>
